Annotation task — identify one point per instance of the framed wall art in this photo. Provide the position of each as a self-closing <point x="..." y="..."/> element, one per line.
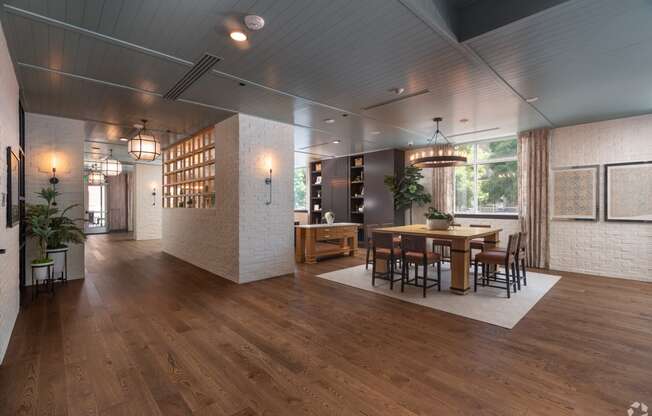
<point x="628" y="192"/>
<point x="575" y="193"/>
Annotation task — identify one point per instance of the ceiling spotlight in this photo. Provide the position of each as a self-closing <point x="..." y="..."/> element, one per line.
<point x="376" y="132"/>
<point x="238" y="36"/>
<point x="329" y="121"/>
<point x="124" y="139"/>
<point x="345" y="115"/>
<point x="397" y="90"/>
<point x="336" y="141"/>
<point x="254" y="22"/>
<point x="532" y="99"/>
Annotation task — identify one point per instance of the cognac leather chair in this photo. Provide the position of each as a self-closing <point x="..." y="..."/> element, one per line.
<point x="506" y="258"/>
<point x="385" y="249"/>
<point x="521" y="258"/>
<point x="444" y="245"/>
<point x="414" y="251"/>
<point x="478" y="244"/>
<point x="368" y="231"/>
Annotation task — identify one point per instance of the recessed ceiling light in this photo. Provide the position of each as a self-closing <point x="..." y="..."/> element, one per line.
<point x="336" y="141"/>
<point x="464" y="120"/>
<point x="124" y="139"/>
<point x="532" y="99"/>
<point x="329" y="121"/>
<point x="397" y="90"/>
<point x="238" y="36"/>
<point x="254" y="22"/>
<point x="345" y="115"/>
<point x="375" y="132"/>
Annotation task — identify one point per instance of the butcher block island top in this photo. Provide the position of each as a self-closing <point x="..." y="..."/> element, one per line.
<point x="450" y="234"/>
<point x="318" y="240"/>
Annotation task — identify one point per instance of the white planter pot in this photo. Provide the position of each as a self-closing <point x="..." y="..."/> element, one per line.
<point x="40" y="271"/>
<point x="58" y="255"/>
<point x="437" y="224"/>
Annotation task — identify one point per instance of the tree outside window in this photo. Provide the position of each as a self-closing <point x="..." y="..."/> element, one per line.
<point x="300" y="189"/>
<point x="487" y="184"/>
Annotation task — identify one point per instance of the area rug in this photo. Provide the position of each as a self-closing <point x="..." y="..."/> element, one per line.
<point x="488" y="305"/>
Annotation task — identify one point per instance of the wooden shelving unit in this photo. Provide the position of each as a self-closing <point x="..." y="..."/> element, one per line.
<point x="356" y="203"/>
<point x="189" y="172"/>
<point x="315" y="192"/>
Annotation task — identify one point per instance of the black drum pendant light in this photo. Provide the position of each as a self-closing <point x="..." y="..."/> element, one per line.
<point x="440" y="158"/>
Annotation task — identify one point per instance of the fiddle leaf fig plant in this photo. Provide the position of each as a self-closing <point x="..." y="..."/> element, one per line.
<point x="407" y="190"/>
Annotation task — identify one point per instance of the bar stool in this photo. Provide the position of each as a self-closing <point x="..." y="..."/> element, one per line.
<point x="444" y="244"/>
<point x="415" y="252"/>
<point x="384" y="249"/>
<point x="507" y="259"/>
<point x="369" y="229"/>
<point x="521" y="258"/>
<point x="477" y="244"/>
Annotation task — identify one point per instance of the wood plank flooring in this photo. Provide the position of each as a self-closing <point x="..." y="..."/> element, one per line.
<point x="147" y="334"/>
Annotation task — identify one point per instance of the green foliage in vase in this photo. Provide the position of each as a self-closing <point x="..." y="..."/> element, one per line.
<point x="407" y="190"/>
<point x="434" y="214"/>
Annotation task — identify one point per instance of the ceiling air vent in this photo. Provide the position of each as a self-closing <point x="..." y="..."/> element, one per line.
<point x="394" y="100"/>
<point x="198" y="69"/>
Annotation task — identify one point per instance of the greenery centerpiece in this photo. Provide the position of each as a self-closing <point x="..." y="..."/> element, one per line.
<point x="407" y="190"/>
<point x="437" y="220"/>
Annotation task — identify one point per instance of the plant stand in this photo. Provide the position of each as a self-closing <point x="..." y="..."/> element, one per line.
<point x="38" y="269"/>
<point x="60" y="267"/>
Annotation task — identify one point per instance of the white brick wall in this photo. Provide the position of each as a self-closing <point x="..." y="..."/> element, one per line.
<point x="9" y="293"/>
<point x="147" y="224"/>
<point x="613" y="249"/>
<point x="242" y="239"/>
<point x="63" y="137"/>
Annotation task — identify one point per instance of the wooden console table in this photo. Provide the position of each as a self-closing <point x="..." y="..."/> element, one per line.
<point x="316" y="240"/>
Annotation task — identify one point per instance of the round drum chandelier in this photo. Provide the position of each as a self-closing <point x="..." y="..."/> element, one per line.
<point x="144" y="146"/>
<point x="110" y="166"/>
<point x="440" y="158"/>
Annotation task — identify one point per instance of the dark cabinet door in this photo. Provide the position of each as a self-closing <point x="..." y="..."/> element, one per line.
<point x="378" y="200"/>
<point x="335" y="188"/>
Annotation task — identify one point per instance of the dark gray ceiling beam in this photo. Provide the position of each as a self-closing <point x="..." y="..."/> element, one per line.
<point x="483" y="16"/>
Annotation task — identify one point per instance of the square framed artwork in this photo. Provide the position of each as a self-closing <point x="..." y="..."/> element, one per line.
<point x="575" y="193"/>
<point x="628" y="192"/>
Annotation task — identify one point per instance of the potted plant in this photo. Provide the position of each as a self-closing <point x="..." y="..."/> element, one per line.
<point x="407" y="190"/>
<point x="54" y="230"/>
<point x="437" y="220"/>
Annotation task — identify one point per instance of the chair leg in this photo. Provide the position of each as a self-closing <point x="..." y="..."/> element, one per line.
<point x="524" y="274"/>
<point x="368" y="250"/>
<point x="391" y="273"/>
<point x="515" y="272"/>
<point x="403" y="270"/>
<point x="373" y="270"/>
<point x="439" y="276"/>
<point x="425" y="276"/>
<point x="507" y="280"/>
<point x="475" y="275"/>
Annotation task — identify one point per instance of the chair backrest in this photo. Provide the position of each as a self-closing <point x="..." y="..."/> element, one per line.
<point x="480" y="225"/>
<point x="413" y="243"/>
<point x="369" y="229"/>
<point x="522" y="243"/>
<point x="383" y="240"/>
<point x="512" y="245"/>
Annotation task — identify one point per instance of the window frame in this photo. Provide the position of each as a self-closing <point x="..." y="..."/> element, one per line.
<point x="307" y="199"/>
<point x="473" y="161"/>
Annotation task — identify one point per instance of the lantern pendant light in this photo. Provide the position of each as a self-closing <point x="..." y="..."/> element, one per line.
<point x="440" y="160"/>
<point x="144" y="146"/>
<point x="95" y="177"/>
<point x="110" y="166"/>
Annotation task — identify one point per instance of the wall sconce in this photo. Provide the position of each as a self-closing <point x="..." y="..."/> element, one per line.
<point x="268" y="180"/>
<point x="53" y="179"/>
<point x="154" y="195"/>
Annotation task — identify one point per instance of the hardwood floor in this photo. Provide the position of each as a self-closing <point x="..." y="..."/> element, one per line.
<point x="147" y="334"/>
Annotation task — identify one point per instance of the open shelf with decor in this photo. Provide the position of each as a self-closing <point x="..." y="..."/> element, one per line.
<point x="315" y="207"/>
<point x="189" y="172"/>
<point x="357" y="191"/>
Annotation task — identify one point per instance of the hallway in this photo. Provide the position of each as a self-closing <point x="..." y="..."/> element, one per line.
<point x="147" y="334"/>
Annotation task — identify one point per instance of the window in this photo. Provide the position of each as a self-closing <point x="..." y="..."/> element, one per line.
<point x="300" y="190"/>
<point x="487" y="184"/>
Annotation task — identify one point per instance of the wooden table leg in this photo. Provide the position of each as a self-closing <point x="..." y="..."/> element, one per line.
<point x="299" y="246"/>
<point x="460" y="257"/>
<point x="311" y="255"/>
<point x="354" y="244"/>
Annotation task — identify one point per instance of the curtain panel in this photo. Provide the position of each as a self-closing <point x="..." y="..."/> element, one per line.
<point x="533" y="148"/>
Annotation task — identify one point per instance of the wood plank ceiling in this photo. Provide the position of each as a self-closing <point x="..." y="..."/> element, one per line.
<point x="112" y="61"/>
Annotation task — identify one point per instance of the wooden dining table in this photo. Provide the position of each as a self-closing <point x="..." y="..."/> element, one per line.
<point x="460" y="238"/>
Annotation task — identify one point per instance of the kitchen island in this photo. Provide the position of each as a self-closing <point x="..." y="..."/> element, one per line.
<point x="318" y="240"/>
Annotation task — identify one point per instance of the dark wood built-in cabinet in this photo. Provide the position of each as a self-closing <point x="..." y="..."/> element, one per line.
<point x="353" y="188"/>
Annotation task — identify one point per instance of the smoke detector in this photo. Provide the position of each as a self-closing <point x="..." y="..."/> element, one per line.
<point x="254" y="22"/>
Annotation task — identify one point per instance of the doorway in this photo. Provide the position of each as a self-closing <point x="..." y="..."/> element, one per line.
<point x="96" y="209"/>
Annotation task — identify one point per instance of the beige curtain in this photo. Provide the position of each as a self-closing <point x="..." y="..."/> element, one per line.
<point x="442" y="183"/>
<point x="533" y="194"/>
